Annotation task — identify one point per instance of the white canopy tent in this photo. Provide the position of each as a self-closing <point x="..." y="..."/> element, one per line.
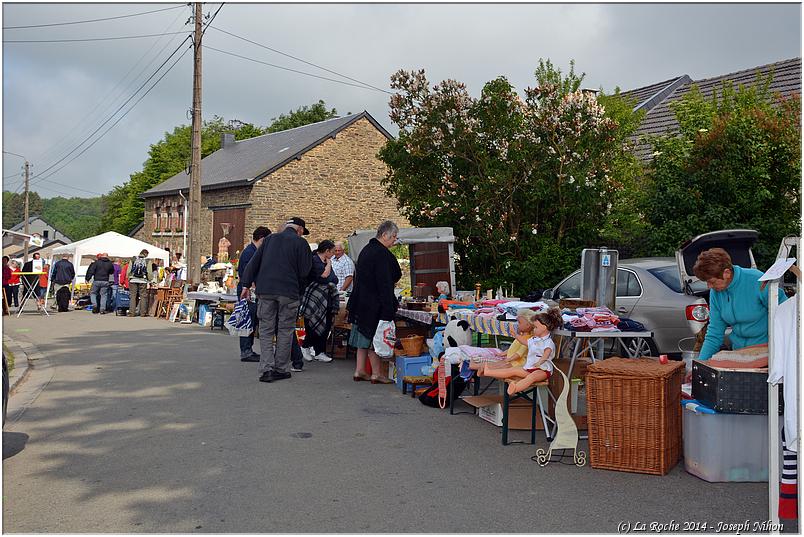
<point x="113" y="244"/>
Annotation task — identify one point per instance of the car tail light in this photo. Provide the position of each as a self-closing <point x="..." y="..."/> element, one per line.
<point x="698" y="312"/>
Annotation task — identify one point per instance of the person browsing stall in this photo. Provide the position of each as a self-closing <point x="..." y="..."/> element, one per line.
<point x="736" y="299"/>
<point x="278" y="270"/>
<point x="247" y="353"/>
<point x="344" y="268"/>
<point x="373" y="299"/>
<point x="320" y="303"/>
<point x="138" y="275"/>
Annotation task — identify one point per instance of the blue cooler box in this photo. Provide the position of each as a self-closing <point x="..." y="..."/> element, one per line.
<point x="410" y="366"/>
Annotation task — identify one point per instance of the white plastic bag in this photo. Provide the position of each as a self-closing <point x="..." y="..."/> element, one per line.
<point x="385" y="339"/>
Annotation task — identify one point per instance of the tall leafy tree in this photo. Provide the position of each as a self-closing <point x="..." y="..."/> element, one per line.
<point x="525" y="183"/>
<point x="14" y="207"/>
<point x="302" y="116"/>
<point x="735" y="163"/>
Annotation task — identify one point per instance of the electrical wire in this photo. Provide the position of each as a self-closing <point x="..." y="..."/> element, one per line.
<point x="71" y="186"/>
<point x="90" y="20"/>
<point x="119" y="108"/>
<point x="121" y="117"/>
<point x="299" y="59"/>
<point x="288" y="69"/>
<point x="90" y="117"/>
<point x="207" y="25"/>
<point x="88" y="39"/>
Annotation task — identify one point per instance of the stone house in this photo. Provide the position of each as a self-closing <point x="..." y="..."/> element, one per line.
<point x="655" y="99"/>
<point x="327" y="173"/>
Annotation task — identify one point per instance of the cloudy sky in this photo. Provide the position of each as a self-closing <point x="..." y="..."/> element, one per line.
<point x="56" y="94"/>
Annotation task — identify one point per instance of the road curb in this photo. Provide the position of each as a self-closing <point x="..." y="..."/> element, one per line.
<point x="22" y="361"/>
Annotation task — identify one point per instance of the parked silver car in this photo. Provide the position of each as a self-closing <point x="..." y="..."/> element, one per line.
<point x="649" y="291"/>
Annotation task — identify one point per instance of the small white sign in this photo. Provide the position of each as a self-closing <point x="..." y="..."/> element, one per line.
<point x="605" y="260"/>
<point x="35" y="241"/>
<point x="778" y="269"/>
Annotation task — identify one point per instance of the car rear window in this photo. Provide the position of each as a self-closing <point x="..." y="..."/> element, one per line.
<point x="669" y="276"/>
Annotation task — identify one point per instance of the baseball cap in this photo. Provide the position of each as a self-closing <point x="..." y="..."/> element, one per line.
<point x="299" y="222"/>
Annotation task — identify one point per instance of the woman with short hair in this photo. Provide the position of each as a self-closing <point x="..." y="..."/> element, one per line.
<point x="735" y="300"/>
<point x="373" y="299"/>
<point x="320" y="303"/>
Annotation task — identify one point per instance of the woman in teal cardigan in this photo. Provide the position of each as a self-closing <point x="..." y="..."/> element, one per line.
<point x="735" y="300"/>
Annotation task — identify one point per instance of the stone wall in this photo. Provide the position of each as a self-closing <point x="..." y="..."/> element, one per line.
<point x="335" y="187"/>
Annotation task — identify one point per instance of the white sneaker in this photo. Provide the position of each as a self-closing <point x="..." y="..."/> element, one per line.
<point x="307" y="354"/>
<point x="323" y="357"/>
<point x="296" y="369"/>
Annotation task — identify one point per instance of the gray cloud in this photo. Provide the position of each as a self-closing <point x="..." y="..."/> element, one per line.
<point x="50" y="89"/>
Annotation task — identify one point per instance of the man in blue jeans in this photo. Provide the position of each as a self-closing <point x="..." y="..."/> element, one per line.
<point x="247" y="353"/>
<point x="278" y="269"/>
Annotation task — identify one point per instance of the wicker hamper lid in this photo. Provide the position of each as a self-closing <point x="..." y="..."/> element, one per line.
<point x="634" y="367"/>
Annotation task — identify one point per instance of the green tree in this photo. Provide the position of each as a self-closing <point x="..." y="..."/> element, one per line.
<point x="78" y="218"/>
<point x="735" y="163"/>
<point x="524" y="183"/>
<point x="302" y="116"/>
<point x="14" y="207"/>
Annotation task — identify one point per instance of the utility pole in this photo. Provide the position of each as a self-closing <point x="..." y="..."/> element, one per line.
<point x="25" y="248"/>
<point x="27" y="172"/>
<point x="194" y="255"/>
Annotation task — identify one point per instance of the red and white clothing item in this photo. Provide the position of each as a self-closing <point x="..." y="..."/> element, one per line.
<point x="536" y="348"/>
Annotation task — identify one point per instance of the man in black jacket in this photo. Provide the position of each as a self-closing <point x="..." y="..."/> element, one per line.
<point x="62" y="276"/>
<point x="278" y="268"/>
<point x="101" y="272"/>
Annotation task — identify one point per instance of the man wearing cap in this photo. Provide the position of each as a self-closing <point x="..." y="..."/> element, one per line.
<point x="278" y="270"/>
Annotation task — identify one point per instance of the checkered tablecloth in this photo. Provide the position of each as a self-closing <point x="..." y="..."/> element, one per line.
<point x="424" y="317"/>
<point x="485" y="324"/>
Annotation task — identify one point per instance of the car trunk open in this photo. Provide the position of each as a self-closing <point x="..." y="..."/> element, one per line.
<point x="737" y="242"/>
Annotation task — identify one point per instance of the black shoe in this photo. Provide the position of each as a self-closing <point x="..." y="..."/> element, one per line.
<point x="252" y="358"/>
<point x="270" y="376"/>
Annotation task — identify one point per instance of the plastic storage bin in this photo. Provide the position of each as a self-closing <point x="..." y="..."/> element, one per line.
<point x="410" y="366"/>
<point x="726" y="447"/>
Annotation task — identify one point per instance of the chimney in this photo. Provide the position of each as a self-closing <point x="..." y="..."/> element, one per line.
<point x="227" y="139"/>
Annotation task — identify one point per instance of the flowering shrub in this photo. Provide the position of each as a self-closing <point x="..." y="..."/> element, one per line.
<point x="524" y="183"/>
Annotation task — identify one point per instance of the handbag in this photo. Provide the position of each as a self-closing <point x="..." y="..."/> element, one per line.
<point x="385" y="339"/>
<point x="239" y="322"/>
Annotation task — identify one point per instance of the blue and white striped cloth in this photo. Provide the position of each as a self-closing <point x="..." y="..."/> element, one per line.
<point x="239" y="322"/>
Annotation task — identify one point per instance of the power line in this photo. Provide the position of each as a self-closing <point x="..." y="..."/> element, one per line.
<point x="119" y="108"/>
<point x="120" y="118"/>
<point x="89" y="39"/>
<point x="90" y="20"/>
<point x="87" y="119"/>
<point x="212" y="19"/>
<point x="300" y="60"/>
<point x="71" y="186"/>
<point x="289" y="69"/>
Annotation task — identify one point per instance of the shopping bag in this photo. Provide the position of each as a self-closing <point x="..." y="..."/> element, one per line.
<point x="239" y="322"/>
<point x="385" y="339"/>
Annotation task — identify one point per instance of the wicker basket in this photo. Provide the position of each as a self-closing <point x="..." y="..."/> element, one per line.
<point x="412" y="345"/>
<point x="634" y="414"/>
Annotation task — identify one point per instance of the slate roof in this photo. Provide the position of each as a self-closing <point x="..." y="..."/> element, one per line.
<point x="654" y="99"/>
<point x="246" y="161"/>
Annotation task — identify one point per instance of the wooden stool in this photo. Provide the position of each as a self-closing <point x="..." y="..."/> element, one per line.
<point x="413" y="381"/>
<point x="532" y="393"/>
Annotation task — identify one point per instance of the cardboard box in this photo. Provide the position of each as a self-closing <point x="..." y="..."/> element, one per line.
<point x="489" y="408"/>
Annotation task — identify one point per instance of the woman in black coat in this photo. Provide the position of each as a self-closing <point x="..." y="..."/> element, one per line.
<point x="373" y="299"/>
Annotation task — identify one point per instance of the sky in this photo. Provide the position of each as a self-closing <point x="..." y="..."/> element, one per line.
<point x="55" y="95"/>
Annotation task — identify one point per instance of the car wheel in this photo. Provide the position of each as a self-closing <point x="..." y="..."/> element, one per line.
<point x="640" y="346"/>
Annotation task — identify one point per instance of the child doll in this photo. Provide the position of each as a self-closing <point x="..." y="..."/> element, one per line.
<point x="517" y="352"/>
<point x="538" y="365"/>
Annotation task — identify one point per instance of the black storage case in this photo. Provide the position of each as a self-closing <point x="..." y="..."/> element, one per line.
<point x="731" y="391"/>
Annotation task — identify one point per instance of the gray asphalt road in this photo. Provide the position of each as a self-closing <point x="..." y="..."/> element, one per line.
<point x="147" y="426"/>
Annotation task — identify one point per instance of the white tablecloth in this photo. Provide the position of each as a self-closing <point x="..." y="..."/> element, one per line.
<point x="212" y="297"/>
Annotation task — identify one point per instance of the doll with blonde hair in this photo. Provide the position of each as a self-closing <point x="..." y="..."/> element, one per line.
<point x="534" y="328"/>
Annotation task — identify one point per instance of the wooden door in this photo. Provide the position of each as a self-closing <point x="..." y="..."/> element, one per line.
<point x="429" y="263"/>
<point x="236" y="218"/>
